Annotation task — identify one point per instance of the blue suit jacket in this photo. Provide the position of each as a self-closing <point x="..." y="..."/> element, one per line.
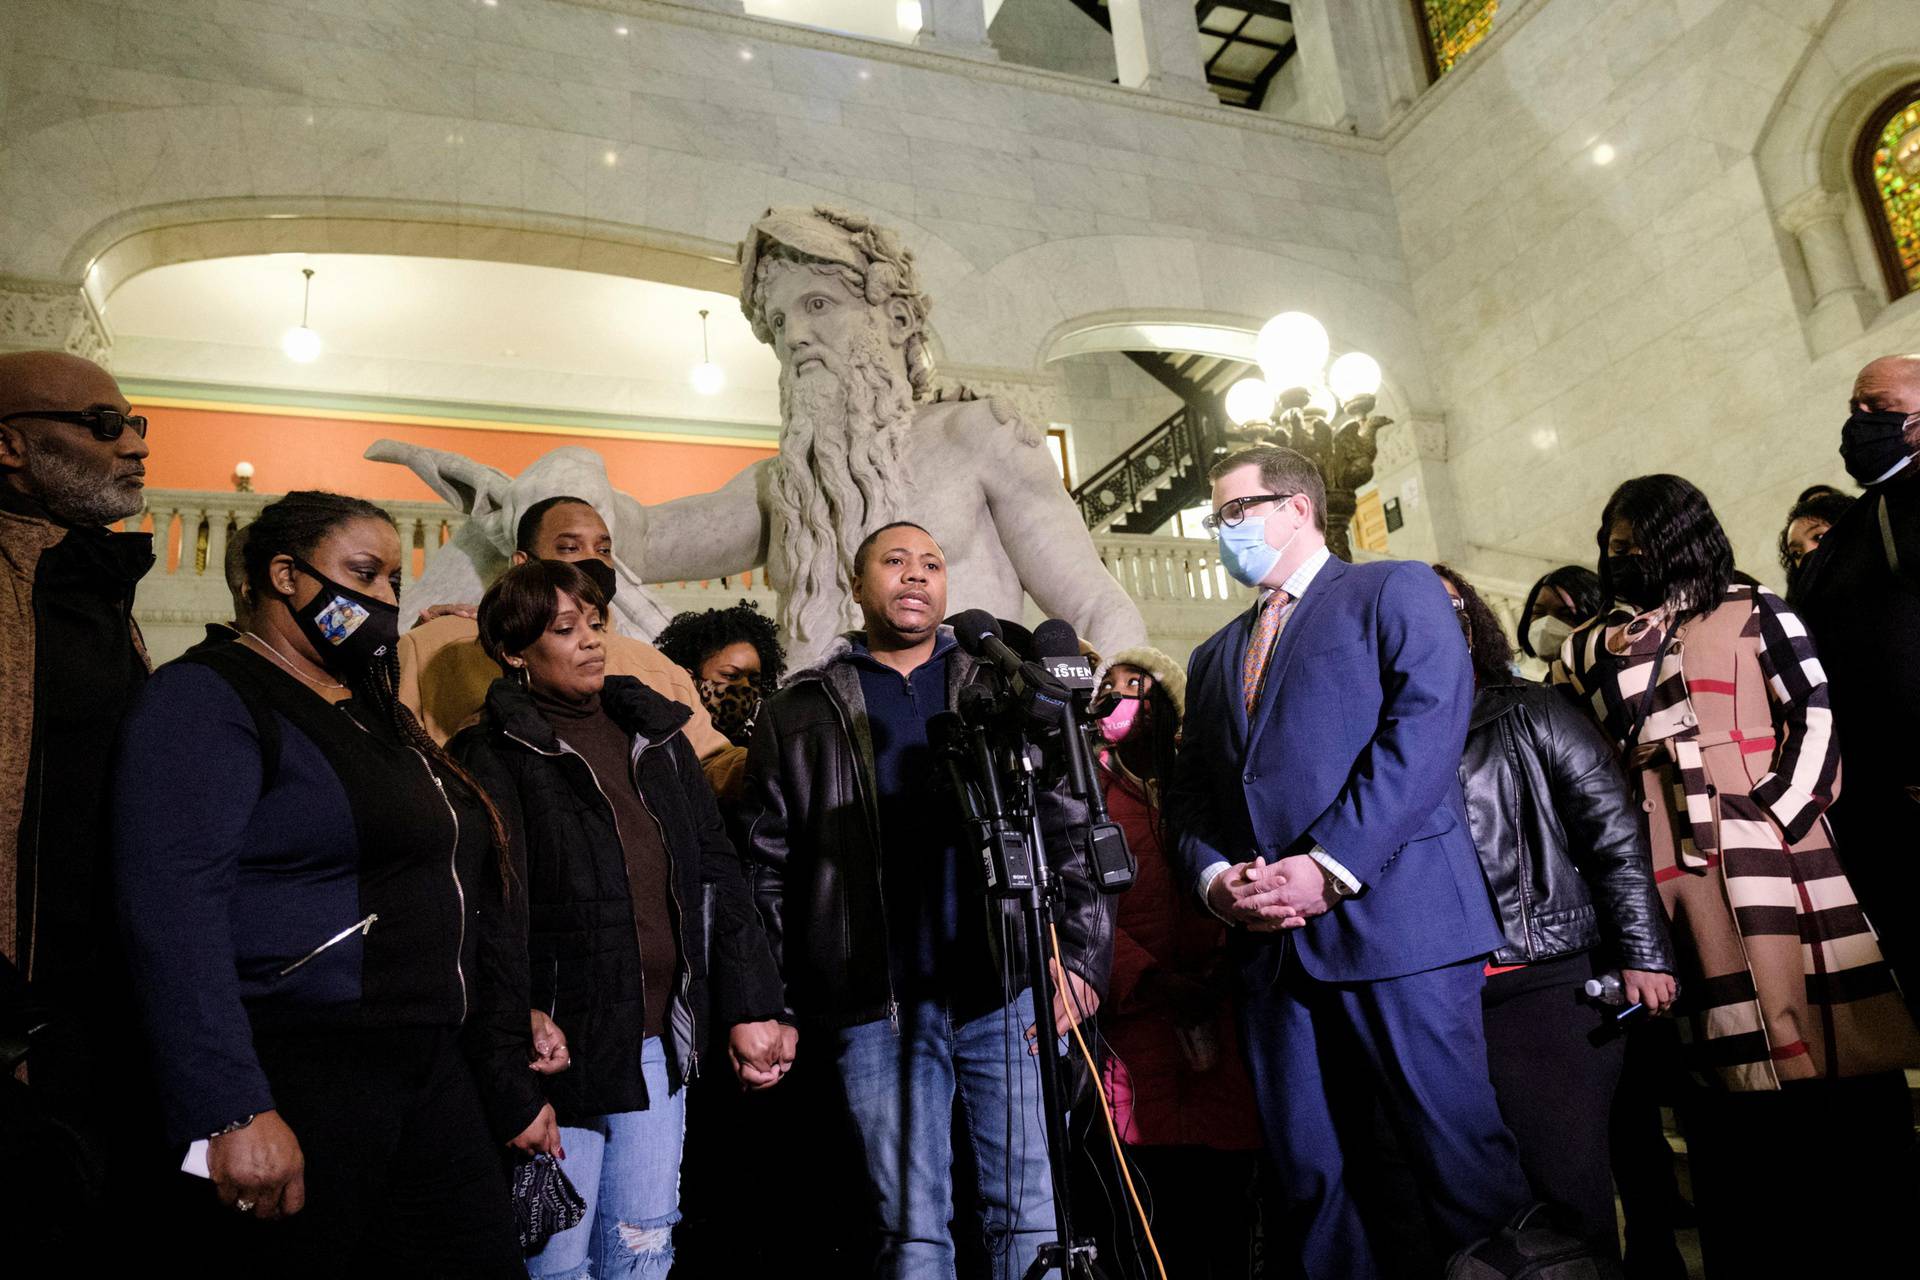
<point x="1355" y="745"/>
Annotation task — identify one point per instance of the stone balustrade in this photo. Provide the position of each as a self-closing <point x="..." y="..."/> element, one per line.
<point x="1182" y="591"/>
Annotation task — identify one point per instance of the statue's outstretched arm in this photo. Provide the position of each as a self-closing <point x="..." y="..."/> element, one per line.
<point x="709" y="535"/>
<point x="1048" y="543"/>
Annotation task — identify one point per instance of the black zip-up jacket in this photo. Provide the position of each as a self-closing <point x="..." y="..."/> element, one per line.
<point x="812" y="828"/>
<point x="1558" y="832"/>
<point x="332" y="880"/>
<point x="583" y="955"/>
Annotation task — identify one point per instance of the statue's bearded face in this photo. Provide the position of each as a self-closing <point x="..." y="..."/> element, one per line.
<point x="821" y="324"/>
<point x="846" y="407"/>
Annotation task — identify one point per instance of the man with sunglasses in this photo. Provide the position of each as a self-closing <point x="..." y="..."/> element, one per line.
<point x="1318" y="810"/>
<point x="80" y="1129"/>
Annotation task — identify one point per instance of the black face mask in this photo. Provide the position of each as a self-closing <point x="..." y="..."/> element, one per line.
<point x="349" y="630"/>
<point x="601" y="574"/>
<point x="1633" y="581"/>
<point x="1872" y="444"/>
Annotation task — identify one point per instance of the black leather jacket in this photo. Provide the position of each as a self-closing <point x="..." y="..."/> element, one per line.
<point x="811" y="822"/>
<point x="1559" y="833"/>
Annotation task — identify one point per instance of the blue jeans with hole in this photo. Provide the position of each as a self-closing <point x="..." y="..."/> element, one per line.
<point x="627" y="1166"/>
<point x="900" y="1087"/>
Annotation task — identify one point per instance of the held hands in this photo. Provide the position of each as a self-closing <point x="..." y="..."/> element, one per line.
<point x="1265" y="897"/>
<point x="1657" y="991"/>
<point x="762" y="1052"/>
<point x="542" y="1136"/>
<point x="259" y="1167"/>
<point x="549" y="1046"/>
<point x="433" y="611"/>
<point x="1074" y="1001"/>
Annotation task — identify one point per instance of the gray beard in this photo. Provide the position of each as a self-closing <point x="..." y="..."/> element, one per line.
<point x="842" y="472"/>
<point x="78" y="493"/>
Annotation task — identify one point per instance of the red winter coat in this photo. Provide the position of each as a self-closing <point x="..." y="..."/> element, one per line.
<point x="1158" y="1099"/>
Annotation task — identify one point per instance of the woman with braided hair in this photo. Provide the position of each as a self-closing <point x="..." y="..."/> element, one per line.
<point x="316" y="902"/>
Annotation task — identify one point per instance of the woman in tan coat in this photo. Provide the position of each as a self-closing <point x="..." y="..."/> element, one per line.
<point x="1712" y="691"/>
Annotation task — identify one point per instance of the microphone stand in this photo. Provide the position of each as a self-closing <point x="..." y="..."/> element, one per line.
<point x="1005" y="823"/>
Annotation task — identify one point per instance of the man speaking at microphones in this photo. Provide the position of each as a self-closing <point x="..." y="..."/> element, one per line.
<point x="1318" y="808"/>
<point x="894" y="957"/>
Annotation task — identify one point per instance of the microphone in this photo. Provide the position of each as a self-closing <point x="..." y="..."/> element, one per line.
<point x="1057" y="647"/>
<point x="1045" y="699"/>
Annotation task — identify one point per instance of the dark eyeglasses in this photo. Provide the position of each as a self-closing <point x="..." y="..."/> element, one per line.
<point x="1232" y="513"/>
<point x="106" y="424"/>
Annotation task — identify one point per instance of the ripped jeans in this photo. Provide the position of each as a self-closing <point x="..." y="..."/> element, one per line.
<point x="627" y="1166"/>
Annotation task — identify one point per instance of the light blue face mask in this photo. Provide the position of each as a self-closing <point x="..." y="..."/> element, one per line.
<point x="1245" y="553"/>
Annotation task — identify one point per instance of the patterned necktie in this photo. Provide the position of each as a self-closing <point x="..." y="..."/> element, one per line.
<point x="1266" y="629"/>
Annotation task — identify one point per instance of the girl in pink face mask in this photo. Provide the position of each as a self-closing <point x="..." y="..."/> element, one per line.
<point x="1182" y="1101"/>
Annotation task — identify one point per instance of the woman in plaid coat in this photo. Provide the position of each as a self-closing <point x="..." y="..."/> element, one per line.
<point x="1712" y="691"/>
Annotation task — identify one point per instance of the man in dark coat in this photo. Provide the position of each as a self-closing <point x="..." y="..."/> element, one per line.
<point x="72" y="462"/>
<point x="1860" y="597"/>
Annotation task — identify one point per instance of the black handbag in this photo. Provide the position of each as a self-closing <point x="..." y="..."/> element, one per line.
<point x="544" y="1202"/>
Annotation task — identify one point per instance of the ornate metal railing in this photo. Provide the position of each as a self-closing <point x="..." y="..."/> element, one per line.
<point x="1165" y="457"/>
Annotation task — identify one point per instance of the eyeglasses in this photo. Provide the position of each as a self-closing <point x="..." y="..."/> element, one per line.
<point x="106" y="424"/>
<point x="1232" y="513"/>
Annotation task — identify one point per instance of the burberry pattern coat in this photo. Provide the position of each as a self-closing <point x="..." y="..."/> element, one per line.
<point x="1735" y="762"/>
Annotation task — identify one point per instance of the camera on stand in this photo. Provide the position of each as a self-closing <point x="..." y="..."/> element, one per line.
<point x="1013" y="739"/>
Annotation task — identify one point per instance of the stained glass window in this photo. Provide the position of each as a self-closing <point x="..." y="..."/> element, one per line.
<point x="1453" y="27"/>
<point x="1889" y="173"/>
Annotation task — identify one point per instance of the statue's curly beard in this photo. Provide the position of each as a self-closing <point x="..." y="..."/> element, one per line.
<point x="842" y="472"/>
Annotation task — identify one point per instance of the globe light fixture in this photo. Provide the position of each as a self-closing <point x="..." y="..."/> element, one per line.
<point x="301" y="344"/>
<point x="708" y="378"/>
<point x="1249" y="400"/>
<point x="1292" y="350"/>
<point x="1353" y="375"/>
<point x="1324" y="412"/>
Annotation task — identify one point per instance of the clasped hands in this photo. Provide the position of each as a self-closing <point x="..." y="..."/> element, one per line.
<point x="1267" y="897"/>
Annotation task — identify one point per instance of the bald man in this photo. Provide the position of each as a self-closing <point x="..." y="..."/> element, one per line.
<point x="72" y="461"/>
<point x="1860" y="598"/>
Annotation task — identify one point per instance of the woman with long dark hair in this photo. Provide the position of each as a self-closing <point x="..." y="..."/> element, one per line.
<point x="313" y="896"/>
<point x="1559" y="838"/>
<point x="1711" y="691"/>
<point x="1181" y="1096"/>
<point x="638" y="905"/>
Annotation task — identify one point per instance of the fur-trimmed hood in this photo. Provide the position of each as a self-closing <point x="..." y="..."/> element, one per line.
<point x="1171" y="675"/>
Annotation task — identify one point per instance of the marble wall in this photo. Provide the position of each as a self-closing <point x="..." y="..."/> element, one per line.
<point x="1605" y="281"/>
<point x="1032" y="199"/>
<point x="1581" y="256"/>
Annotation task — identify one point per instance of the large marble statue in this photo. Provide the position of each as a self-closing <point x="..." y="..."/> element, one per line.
<point x="864" y="441"/>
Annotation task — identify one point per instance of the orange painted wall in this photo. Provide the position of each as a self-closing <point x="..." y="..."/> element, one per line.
<point x="196" y="449"/>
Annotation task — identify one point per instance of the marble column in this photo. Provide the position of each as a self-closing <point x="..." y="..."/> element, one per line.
<point x="1411" y="466"/>
<point x="1156" y="47"/>
<point x="37" y="316"/>
<point x="955" y="26"/>
<point x="1842" y="304"/>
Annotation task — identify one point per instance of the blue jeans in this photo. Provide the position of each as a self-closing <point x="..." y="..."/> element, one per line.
<point x="627" y="1166"/>
<point x="899" y="1088"/>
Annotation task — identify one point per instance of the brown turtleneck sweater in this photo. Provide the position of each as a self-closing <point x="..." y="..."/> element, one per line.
<point x="608" y="751"/>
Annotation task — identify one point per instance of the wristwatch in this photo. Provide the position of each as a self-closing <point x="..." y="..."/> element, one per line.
<point x="235" y="1127"/>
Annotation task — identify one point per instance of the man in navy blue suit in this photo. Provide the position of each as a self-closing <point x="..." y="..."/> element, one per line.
<point x="1319" y="811"/>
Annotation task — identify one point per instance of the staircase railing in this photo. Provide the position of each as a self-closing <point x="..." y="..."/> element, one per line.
<point x="1171" y="454"/>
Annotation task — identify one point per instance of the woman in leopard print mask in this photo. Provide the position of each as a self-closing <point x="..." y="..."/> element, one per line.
<point x="735" y="658"/>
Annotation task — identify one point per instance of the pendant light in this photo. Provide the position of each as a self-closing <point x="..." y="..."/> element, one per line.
<point x="708" y="377"/>
<point x="302" y="344"/>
